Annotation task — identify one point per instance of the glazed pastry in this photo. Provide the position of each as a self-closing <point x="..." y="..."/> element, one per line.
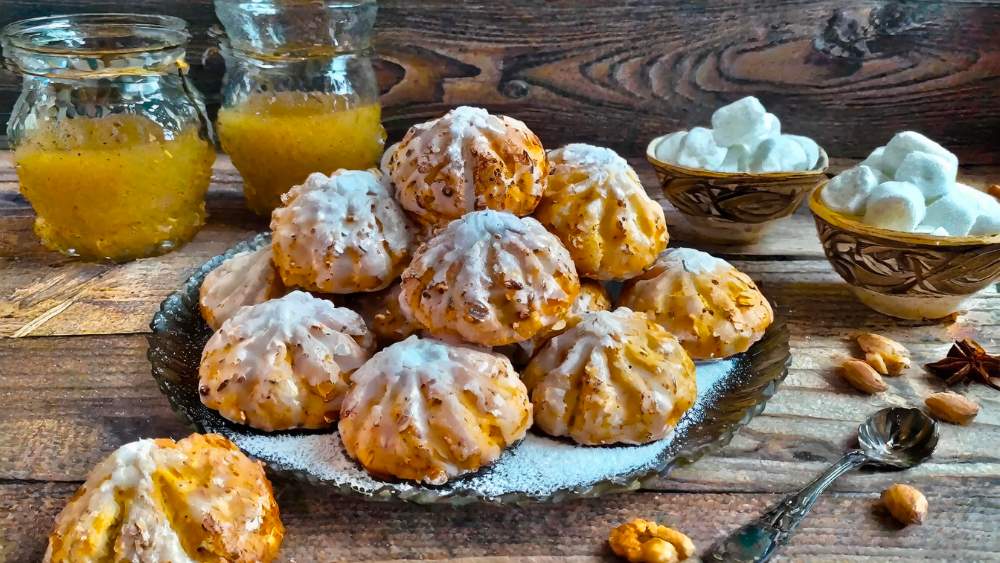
<point x="616" y="377"/>
<point x="428" y="411"/>
<point x="714" y="309"/>
<point x="383" y="315"/>
<point x="247" y="278"/>
<point x="340" y="234"/>
<point x="284" y="363"/>
<point x="198" y="499"/>
<point x="592" y="297"/>
<point x="465" y="161"/>
<point x="489" y="278"/>
<point x="596" y="205"/>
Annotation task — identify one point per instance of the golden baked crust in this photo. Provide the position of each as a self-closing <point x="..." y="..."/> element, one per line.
<point x="198" y="499"/>
<point x="616" y="377"/>
<point x="248" y="278"/>
<point x="489" y="278"/>
<point x="342" y="233"/>
<point x="598" y="208"/>
<point x="714" y="309"/>
<point x="592" y="297"/>
<point x="428" y="411"/>
<point x="383" y="315"/>
<point x="464" y="161"/>
<point x="284" y="363"/>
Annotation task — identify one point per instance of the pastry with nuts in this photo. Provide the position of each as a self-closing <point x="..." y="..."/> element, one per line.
<point x="592" y="297"/>
<point x="490" y="278"/>
<point x="247" y="278"/>
<point x="467" y="160"/>
<point x="645" y="541"/>
<point x="615" y="378"/>
<point x="429" y="411"/>
<point x="284" y="363"/>
<point x="714" y="309"/>
<point x="597" y="206"/>
<point x="384" y="316"/>
<point x="161" y="500"/>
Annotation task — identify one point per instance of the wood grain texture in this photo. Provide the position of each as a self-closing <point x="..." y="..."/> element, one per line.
<point x="849" y="74"/>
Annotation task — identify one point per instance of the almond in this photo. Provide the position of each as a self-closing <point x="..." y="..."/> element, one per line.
<point x="906" y="504"/>
<point x="887" y="356"/>
<point x="863" y="377"/>
<point x="951" y="407"/>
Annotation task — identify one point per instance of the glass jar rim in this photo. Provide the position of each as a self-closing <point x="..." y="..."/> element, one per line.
<point x="151" y="32"/>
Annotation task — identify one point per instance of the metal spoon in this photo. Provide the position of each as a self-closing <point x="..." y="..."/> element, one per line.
<point x="893" y="438"/>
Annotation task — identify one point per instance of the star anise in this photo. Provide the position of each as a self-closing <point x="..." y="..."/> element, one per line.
<point x="966" y="362"/>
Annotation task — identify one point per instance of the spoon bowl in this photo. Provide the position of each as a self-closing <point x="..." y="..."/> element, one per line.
<point x="898" y="438"/>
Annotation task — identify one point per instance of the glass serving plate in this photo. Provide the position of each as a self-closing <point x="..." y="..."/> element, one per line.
<point x="539" y="468"/>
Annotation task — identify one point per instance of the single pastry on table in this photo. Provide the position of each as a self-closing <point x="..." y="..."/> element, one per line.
<point x="342" y="233"/>
<point x="616" y="377"/>
<point x="247" y="278"/>
<point x="464" y="161"/>
<point x="383" y="315"/>
<point x="597" y="206"/>
<point x="197" y="499"/>
<point x="592" y="297"/>
<point x="713" y="308"/>
<point x="284" y="363"/>
<point x="489" y="278"/>
<point x="428" y="411"/>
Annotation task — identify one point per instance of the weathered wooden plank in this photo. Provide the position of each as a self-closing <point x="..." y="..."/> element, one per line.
<point x="324" y="527"/>
<point x="849" y="74"/>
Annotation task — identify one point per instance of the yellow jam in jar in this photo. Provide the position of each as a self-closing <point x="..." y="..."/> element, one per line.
<point x="116" y="187"/>
<point x="277" y="139"/>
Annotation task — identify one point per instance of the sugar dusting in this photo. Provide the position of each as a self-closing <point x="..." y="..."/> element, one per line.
<point x="537" y="467"/>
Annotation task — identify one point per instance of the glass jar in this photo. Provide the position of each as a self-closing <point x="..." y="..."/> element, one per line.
<point x="300" y="94"/>
<point x="111" y="144"/>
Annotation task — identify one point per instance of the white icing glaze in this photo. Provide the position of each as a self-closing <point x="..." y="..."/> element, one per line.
<point x="425" y="410"/>
<point x="599" y="209"/>
<point x="592" y="297"/>
<point x="340" y="234"/>
<point x="478" y="161"/>
<point x="490" y="278"/>
<point x="694" y="261"/>
<point x="283" y="363"/>
<point x="233" y="502"/>
<point x="616" y="377"/>
<point x="247" y="278"/>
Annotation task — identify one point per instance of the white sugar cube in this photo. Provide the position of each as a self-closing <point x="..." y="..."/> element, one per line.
<point x="848" y="191"/>
<point x="955" y="213"/>
<point x="810" y="147"/>
<point x="986" y="224"/>
<point x="778" y="154"/>
<point x="931" y="173"/>
<point x="699" y="150"/>
<point x="737" y="159"/>
<point x="905" y="142"/>
<point x="928" y="230"/>
<point x="895" y="205"/>
<point x="668" y="147"/>
<point x="743" y="122"/>
<point x="876" y="161"/>
<point x="988" y="208"/>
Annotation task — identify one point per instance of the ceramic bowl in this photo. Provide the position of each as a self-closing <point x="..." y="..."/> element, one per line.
<point x="905" y="275"/>
<point x="734" y="207"/>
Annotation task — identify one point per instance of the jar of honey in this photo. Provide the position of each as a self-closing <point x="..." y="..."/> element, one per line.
<point x="300" y="94"/>
<point x="111" y="144"/>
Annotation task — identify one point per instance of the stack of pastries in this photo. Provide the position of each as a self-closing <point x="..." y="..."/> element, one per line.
<point x="390" y="304"/>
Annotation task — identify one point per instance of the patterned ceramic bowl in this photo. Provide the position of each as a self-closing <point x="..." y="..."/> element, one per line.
<point x="734" y="207"/>
<point x="906" y="275"/>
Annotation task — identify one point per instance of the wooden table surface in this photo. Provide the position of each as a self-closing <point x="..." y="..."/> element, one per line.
<point x="75" y="385"/>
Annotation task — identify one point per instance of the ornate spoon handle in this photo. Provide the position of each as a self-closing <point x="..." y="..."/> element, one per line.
<point x="757" y="541"/>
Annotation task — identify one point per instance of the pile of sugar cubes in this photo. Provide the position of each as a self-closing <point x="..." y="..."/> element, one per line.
<point x="911" y="185"/>
<point x="744" y="138"/>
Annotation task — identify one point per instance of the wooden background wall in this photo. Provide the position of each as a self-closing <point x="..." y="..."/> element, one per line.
<point x="847" y="73"/>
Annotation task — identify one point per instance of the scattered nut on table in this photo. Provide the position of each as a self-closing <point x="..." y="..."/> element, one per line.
<point x="645" y="541"/>
<point x="887" y="356"/>
<point x="905" y="503"/>
<point x="951" y="407"/>
<point x="863" y="377"/>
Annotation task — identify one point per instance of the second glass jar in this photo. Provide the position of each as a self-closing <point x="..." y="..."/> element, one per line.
<point x="300" y="93"/>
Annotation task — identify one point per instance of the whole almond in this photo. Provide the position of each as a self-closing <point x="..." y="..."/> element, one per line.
<point x="887" y="356"/>
<point x="863" y="377"/>
<point x="906" y="504"/>
<point x="951" y="407"/>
